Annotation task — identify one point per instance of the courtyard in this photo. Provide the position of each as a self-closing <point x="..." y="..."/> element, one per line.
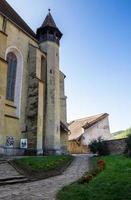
<point x="45" y="189"/>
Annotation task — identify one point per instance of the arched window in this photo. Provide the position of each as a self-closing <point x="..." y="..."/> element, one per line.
<point x="11" y="76"/>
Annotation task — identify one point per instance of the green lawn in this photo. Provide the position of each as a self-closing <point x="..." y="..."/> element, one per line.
<point x="114" y="183"/>
<point x="43" y="162"/>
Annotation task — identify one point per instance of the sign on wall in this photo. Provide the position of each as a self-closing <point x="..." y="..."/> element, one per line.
<point x="23" y="143"/>
<point x="10" y="141"/>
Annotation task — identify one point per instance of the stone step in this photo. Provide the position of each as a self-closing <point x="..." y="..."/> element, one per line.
<point x="3" y="161"/>
<point x="13" y="180"/>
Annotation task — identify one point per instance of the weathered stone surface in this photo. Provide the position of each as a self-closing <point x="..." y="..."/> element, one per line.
<point x="37" y="91"/>
<point x="32" y="101"/>
<point x="52" y="124"/>
<point x="63" y="111"/>
<point x="10" y="125"/>
<point x="116" y="146"/>
<point x="7" y="171"/>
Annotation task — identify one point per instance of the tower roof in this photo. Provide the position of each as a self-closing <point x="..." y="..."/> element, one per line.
<point x="49" y="21"/>
<point x="49" y="30"/>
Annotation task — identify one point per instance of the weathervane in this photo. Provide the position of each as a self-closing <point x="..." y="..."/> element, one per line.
<point x="49" y="10"/>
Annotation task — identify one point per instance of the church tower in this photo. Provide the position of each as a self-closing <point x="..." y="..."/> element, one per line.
<point x="49" y="37"/>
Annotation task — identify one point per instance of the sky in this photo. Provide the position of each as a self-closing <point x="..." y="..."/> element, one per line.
<point x="95" y="54"/>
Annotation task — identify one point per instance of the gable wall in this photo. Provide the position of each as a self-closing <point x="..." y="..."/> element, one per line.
<point x="100" y="129"/>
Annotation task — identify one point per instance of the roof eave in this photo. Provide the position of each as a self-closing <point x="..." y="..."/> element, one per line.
<point x="64" y="127"/>
<point x="19" y="27"/>
<point x="88" y="125"/>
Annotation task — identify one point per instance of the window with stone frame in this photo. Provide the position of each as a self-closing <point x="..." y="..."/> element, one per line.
<point x="11" y="76"/>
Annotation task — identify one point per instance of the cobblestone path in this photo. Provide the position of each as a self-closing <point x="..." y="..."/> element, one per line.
<point x="46" y="189"/>
<point x="7" y="171"/>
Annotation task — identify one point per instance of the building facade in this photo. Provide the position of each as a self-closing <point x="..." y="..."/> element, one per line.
<point x="32" y="97"/>
<point x="84" y="130"/>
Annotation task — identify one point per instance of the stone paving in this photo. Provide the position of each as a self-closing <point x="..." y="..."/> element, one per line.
<point x="7" y="171"/>
<point x="46" y="189"/>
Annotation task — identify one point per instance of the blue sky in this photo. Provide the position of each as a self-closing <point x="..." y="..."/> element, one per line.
<point x="95" y="53"/>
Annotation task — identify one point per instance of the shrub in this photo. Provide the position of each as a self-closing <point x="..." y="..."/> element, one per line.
<point x="99" y="146"/>
<point x="86" y="178"/>
<point x="128" y="145"/>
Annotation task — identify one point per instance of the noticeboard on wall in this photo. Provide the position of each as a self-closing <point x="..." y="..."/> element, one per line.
<point x="23" y="144"/>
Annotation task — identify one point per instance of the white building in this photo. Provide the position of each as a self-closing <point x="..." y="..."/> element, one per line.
<point x="84" y="130"/>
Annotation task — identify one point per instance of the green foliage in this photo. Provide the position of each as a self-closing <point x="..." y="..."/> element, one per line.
<point x="124" y="134"/>
<point x="99" y="146"/>
<point x="118" y="132"/>
<point x="114" y="183"/>
<point x="44" y="162"/>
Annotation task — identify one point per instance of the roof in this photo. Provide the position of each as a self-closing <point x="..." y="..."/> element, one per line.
<point x="62" y="75"/>
<point x="49" y="21"/>
<point x="13" y="16"/>
<point x="64" y="126"/>
<point x="77" y="126"/>
<point x="49" y="25"/>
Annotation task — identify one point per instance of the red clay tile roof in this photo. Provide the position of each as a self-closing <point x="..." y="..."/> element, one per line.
<point x="77" y="127"/>
<point x="11" y="14"/>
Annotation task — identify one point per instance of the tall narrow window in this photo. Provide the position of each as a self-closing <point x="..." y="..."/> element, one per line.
<point x="43" y="69"/>
<point x="4" y="24"/>
<point x="11" y="75"/>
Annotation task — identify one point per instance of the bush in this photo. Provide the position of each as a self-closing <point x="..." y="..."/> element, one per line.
<point x="99" y="146"/>
<point x="86" y="178"/>
<point x="128" y="145"/>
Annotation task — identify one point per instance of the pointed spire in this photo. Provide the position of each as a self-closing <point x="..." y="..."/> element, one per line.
<point x="49" y="21"/>
<point x="48" y="30"/>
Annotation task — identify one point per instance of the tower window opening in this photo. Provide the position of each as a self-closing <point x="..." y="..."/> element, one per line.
<point x="51" y="35"/>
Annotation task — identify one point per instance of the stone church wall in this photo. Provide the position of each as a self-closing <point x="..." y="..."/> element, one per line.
<point x="1" y="22"/>
<point x="10" y="123"/>
<point x="17" y="38"/>
<point x="3" y="71"/>
<point x="62" y="99"/>
<point x="33" y="103"/>
<point x="32" y="100"/>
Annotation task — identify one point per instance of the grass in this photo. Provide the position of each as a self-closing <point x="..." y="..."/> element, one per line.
<point x="114" y="183"/>
<point x="43" y="162"/>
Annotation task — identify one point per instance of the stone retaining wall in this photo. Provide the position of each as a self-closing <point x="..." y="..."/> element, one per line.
<point x="8" y="151"/>
<point x="116" y="146"/>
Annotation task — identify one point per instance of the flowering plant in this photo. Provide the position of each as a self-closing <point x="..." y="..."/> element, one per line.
<point x="101" y="164"/>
